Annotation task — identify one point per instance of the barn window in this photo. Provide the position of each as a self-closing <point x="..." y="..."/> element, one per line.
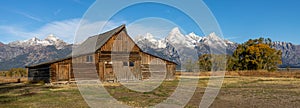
<point x="131" y="64"/>
<point x="89" y="58"/>
<point x="125" y="63"/>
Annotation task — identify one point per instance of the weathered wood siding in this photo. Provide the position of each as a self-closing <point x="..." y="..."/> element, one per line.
<point x="120" y="43"/>
<point x="116" y="52"/>
<point x="121" y="48"/>
<point x="154" y="65"/>
<point x="83" y="59"/>
<point x="61" y="71"/>
<point x="40" y="73"/>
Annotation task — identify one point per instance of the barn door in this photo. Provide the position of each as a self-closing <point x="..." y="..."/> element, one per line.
<point x="109" y="74"/>
<point x="119" y="71"/>
<point x="124" y="71"/>
<point x="63" y="72"/>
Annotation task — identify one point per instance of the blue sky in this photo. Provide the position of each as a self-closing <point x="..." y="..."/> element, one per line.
<point x="239" y="20"/>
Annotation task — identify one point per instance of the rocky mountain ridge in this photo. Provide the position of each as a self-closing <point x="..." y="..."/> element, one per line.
<point x="180" y="47"/>
<point x="32" y="51"/>
<point x="50" y="40"/>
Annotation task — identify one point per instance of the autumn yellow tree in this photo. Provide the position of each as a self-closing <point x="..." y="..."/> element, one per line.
<point x="256" y="54"/>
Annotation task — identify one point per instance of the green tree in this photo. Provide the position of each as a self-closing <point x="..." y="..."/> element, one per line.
<point x="213" y="62"/>
<point x="17" y="72"/>
<point x="255" y="55"/>
<point x="205" y="62"/>
<point x="190" y="65"/>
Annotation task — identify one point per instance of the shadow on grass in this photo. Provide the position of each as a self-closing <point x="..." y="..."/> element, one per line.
<point x="7" y="99"/>
<point x="5" y="88"/>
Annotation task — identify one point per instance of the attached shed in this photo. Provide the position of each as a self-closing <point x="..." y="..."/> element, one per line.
<point x="110" y="56"/>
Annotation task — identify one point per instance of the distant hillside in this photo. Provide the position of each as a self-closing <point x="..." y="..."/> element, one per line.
<point x="290" y="53"/>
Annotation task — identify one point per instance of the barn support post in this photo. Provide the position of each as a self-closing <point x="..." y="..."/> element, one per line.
<point x="28" y="76"/>
<point x="100" y="67"/>
<point x="104" y="71"/>
<point x="57" y="70"/>
<point x="27" y="71"/>
<point x="69" y="73"/>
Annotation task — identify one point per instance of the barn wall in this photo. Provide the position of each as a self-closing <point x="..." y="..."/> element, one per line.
<point x="114" y="53"/>
<point x="121" y="48"/>
<point x="171" y="70"/>
<point x="83" y="59"/>
<point x="157" y="64"/>
<point x="40" y="73"/>
<point x="86" y="69"/>
<point x="120" y="43"/>
<point x="61" y="71"/>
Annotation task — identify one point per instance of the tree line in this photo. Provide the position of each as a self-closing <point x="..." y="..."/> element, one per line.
<point x="255" y="54"/>
<point x="15" y="72"/>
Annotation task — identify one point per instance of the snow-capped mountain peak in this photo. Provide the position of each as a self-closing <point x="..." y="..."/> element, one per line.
<point x="175" y="31"/>
<point x="213" y="36"/>
<point x="35" y="39"/>
<point x="150" y="37"/>
<point x="175" y="37"/>
<point x="147" y="36"/>
<point x="150" y="40"/>
<point x="51" y="37"/>
<point x="178" y="39"/>
<point x="50" y="40"/>
<point x="195" y="37"/>
<point x="212" y="39"/>
<point x="176" y="44"/>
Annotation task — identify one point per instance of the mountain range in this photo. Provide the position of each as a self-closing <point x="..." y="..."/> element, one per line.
<point x="177" y="47"/>
<point x="32" y="51"/>
<point x="191" y="45"/>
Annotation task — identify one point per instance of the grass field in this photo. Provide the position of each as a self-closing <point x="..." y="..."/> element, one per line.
<point x="235" y="92"/>
<point x="12" y="79"/>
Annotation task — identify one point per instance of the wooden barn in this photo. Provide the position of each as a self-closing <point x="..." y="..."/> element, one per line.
<point x="110" y="56"/>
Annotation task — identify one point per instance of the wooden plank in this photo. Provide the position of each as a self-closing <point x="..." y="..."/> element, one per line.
<point x="69" y="72"/>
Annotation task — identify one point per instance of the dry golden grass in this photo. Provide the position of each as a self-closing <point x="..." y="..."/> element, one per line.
<point x="12" y="79"/>
<point x="250" y="90"/>
<point x="261" y="73"/>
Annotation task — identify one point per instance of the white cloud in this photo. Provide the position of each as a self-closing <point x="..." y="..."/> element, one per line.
<point x="63" y="29"/>
<point x="67" y="29"/>
<point x="158" y="27"/>
<point x="140" y="30"/>
<point x="30" y="16"/>
<point x="14" y="31"/>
